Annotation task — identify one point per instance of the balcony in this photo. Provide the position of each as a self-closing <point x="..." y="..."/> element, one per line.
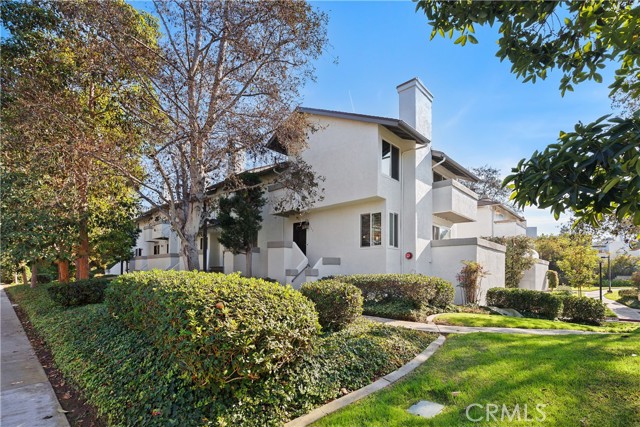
<point x="454" y="202"/>
<point x="160" y="231"/>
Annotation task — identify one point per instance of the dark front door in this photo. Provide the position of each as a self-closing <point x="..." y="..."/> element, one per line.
<point x="300" y="235"/>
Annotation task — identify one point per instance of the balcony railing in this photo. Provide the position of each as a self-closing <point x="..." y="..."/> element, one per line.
<point x="454" y="202"/>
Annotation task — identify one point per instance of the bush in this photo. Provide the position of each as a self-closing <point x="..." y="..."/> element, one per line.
<point x="552" y="279"/>
<point x="635" y="279"/>
<point x="131" y="383"/>
<point x="617" y="283"/>
<point x="402" y="296"/>
<point x="518" y="257"/>
<point x="469" y="279"/>
<point x="41" y="279"/>
<point x="80" y="292"/>
<point x="338" y="303"/>
<point x="227" y="331"/>
<point x="583" y="310"/>
<point x="628" y="293"/>
<point x="535" y="303"/>
<point x="563" y="290"/>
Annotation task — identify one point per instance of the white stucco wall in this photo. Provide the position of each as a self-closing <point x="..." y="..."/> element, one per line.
<point x="448" y="256"/>
<point x="482" y="227"/>
<point x="346" y="153"/>
<point x="536" y="277"/>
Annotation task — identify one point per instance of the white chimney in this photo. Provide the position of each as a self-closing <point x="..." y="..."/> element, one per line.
<point x="415" y="106"/>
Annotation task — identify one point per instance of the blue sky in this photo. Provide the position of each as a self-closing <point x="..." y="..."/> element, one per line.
<point x="481" y="114"/>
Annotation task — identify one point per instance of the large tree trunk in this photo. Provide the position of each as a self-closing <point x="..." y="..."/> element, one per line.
<point x="82" y="262"/>
<point x="24" y="275"/>
<point x="190" y="230"/>
<point x="34" y="274"/>
<point x="191" y="252"/>
<point x="63" y="271"/>
<point x="249" y="257"/>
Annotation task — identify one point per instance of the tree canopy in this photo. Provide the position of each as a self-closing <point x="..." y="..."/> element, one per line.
<point x="240" y="217"/>
<point x="490" y="184"/>
<point x="223" y="79"/>
<point x="62" y="106"/>
<point x="593" y="170"/>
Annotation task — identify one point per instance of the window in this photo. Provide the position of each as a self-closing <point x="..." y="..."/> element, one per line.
<point x="137" y="252"/>
<point x="371" y="229"/>
<point x="390" y="160"/>
<point x="156" y="249"/>
<point x="440" y="232"/>
<point x="393" y="229"/>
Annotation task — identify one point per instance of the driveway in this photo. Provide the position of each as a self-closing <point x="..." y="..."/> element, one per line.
<point x="621" y="310"/>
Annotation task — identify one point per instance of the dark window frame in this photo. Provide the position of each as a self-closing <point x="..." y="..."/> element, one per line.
<point x="392" y="153"/>
<point x="394" y="229"/>
<point x="370" y="228"/>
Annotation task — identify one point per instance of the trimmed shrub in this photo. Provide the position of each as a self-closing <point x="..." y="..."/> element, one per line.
<point x="617" y="283"/>
<point x="80" y="292"/>
<point x="530" y="302"/>
<point x="131" y="383"/>
<point x="629" y="293"/>
<point x="552" y="279"/>
<point x="563" y="290"/>
<point x="225" y="330"/>
<point x="402" y="296"/>
<point x="583" y="310"/>
<point x="338" y="303"/>
<point x="635" y="279"/>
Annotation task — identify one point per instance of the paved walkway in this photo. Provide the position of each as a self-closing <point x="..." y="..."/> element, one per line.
<point x="445" y="329"/>
<point x="622" y="311"/>
<point x="26" y="396"/>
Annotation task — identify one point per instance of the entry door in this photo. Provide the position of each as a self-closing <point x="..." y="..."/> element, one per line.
<point x="300" y="235"/>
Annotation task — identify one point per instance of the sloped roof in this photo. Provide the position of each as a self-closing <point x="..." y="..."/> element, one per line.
<point x="396" y="126"/>
<point x="453" y="166"/>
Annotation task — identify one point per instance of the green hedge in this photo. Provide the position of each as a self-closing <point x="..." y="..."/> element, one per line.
<point x="225" y="330"/>
<point x="402" y="296"/>
<point x="616" y="283"/>
<point x="629" y="293"/>
<point x="80" y="292"/>
<point x="131" y="383"/>
<point x="530" y="302"/>
<point x="583" y="310"/>
<point x="338" y="303"/>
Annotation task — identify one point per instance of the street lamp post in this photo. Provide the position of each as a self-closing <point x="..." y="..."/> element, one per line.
<point x="609" y="270"/>
<point x="600" y="279"/>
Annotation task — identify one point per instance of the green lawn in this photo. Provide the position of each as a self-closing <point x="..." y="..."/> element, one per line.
<point x="628" y="301"/>
<point x="584" y="381"/>
<point x="494" y="320"/>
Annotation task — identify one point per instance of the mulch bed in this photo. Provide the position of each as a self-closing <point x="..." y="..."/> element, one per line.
<point x="79" y="413"/>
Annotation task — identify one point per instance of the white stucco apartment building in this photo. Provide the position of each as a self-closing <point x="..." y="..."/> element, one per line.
<point x="392" y="204"/>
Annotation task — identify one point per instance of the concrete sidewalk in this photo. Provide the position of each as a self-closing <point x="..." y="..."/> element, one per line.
<point x="444" y="329"/>
<point x="26" y="396"/>
<point x="622" y="311"/>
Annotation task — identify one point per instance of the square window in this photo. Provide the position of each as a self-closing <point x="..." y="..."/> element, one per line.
<point x="371" y="229"/>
